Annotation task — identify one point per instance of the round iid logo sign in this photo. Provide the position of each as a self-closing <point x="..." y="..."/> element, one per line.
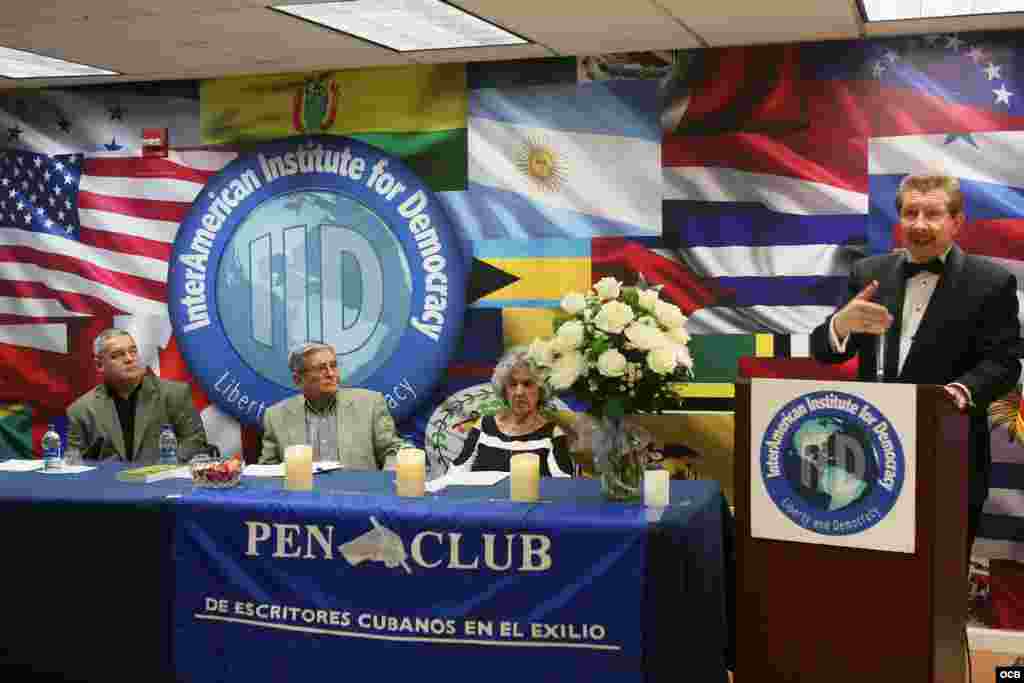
<point x="832" y="463"/>
<point x="319" y="238"/>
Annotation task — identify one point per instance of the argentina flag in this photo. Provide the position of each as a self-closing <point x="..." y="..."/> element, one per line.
<point x="562" y="160"/>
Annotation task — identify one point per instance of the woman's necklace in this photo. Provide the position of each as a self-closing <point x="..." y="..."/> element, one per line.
<point x="513" y="428"/>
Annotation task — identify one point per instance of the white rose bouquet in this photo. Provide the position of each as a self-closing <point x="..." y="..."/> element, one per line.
<point x="620" y="349"/>
<point x="623" y="350"/>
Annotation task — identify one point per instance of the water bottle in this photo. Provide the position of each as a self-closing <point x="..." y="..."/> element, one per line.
<point x="51" y="448"/>
<point x="168" y="446"/>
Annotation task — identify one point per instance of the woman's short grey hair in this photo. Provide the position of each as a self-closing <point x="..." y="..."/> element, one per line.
<point x="518" y="357"/>
<point x="297" y="357"/>
<point x="102" y="337"/>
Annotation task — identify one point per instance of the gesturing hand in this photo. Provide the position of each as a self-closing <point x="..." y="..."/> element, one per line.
<point x="863" y="315"/>
<point x="957" y="396"/>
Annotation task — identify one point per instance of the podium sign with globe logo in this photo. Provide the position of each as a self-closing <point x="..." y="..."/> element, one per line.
<point x="832" y="464"/>
<point x="321" y="239"/>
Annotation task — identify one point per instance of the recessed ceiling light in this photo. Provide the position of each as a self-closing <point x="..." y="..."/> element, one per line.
<point x="891" y="10"/>
<point x="405" y="25"/>
<point x="21" y="64"/>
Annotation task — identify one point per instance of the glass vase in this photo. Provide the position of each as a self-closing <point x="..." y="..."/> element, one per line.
<point x="622" y="458"/>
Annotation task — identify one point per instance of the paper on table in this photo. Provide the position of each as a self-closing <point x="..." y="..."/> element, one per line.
<point x="278" y="470"/>
<point x="16" y="465"/>
<point x="70" y="469"/>
<point x="264" y="470"/>
<point x="435" y="485"/>
<point x="466" y="479"/>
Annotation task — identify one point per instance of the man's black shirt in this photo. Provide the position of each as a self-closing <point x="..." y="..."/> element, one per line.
<point x="126" y="416"/>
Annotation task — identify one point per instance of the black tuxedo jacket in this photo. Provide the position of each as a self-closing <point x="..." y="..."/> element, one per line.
<point x="970" y="334"/>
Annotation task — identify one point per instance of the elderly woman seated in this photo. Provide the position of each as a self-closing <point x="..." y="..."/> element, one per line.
<point x="520" y="427"/>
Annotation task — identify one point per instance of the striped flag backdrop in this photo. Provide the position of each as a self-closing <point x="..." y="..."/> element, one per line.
<point x="1001" y="535"/>
<point x="415" y="112"/>
<point x="991" y="176"/>
<point x="766" y="175"/>
<point x="765" y="200"/>
<point x="783" y="170"/>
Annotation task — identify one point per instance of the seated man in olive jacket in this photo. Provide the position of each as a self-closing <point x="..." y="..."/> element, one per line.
<point x="121" y="417"/>
<point x="350" y="426"/>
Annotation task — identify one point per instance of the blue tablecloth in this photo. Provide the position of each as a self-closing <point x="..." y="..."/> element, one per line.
<point x="106" y="559"/>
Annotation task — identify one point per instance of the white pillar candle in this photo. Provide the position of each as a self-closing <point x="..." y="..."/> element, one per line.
<point x="524" y="470"/>
<point x="298" y="468"/>
<point x="411" y="472"/>
<point x="656" y="487"/>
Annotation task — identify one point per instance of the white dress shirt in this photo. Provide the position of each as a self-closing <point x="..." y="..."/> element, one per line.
<point x="918" y="294"/>
<point x="916" y="297"/>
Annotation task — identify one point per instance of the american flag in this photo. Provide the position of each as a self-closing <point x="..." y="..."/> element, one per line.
<point x="84" y="245"/>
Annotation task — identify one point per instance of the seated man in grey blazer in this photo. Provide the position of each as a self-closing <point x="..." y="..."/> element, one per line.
<point x="351" y="426"/>
<point x="120" y="418"/>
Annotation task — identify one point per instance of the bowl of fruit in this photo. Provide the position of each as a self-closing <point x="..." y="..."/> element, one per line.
<point x="210" y="471"/>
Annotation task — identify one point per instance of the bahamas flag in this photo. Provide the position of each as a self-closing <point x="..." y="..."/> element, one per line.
<point x="542" y="271"/>
<point x="417" y="113"/>
<point x="562" y="160"/>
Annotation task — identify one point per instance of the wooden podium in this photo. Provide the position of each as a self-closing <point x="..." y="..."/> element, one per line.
<point x="821" y="613"/>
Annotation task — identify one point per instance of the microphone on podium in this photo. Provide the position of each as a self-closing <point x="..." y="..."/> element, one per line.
<point x="880" y="359"/>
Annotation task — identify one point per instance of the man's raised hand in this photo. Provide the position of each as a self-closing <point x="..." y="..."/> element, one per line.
<point x="862" y="315"/>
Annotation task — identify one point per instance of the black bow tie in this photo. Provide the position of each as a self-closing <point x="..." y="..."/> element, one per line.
<point x="911" y="269"/>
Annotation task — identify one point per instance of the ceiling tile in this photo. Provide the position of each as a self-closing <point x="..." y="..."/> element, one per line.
<point x="741" y="22"/>
<point x="225" y="42"/>
<point x="84" y="11"/>
<point x="578" y="27"/>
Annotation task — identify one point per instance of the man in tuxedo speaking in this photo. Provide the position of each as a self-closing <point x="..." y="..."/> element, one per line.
<point x="939" y="315"/>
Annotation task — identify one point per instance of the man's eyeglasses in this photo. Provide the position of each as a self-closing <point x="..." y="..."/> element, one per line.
<point x="321" y="368"/>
